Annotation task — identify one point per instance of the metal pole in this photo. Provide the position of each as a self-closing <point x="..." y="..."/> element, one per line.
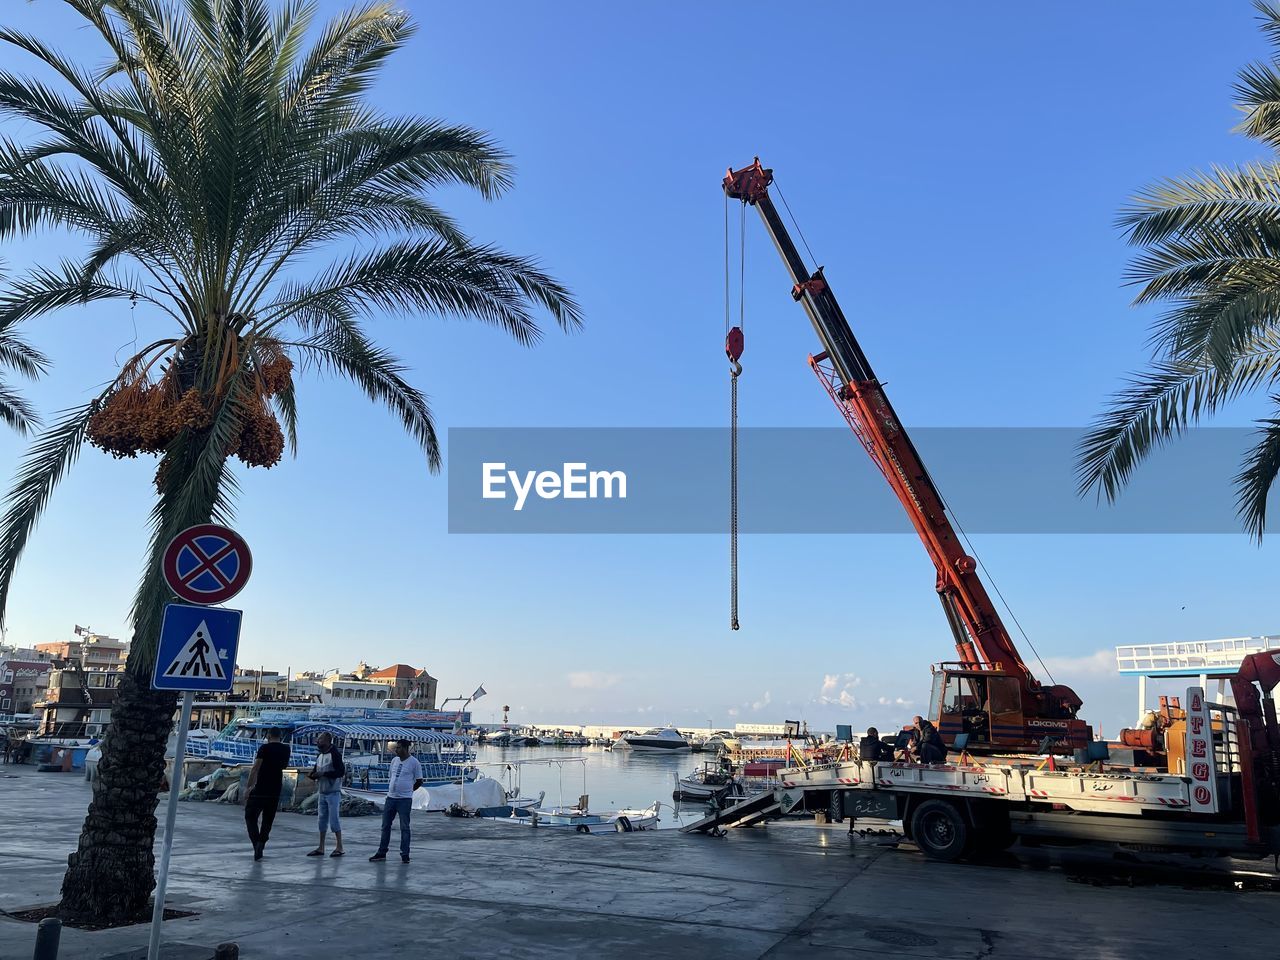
<point x="47" y="936"/>
<point x="171" y="813"/>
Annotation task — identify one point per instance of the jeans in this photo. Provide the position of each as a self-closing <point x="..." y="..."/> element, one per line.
<point x="396" y="807"/>
<point x="327" y="809"/>
<point x="264" y="807"/>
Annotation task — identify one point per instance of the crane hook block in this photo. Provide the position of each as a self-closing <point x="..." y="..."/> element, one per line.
<point x="733" y="345"/>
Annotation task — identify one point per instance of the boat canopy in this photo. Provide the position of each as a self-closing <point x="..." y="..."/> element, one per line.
<point x="378" y="732"/>
<point x="268" y="723"/>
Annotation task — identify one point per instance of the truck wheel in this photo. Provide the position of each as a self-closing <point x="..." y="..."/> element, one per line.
<point x="835" y="807"/>
<point x="939" y="830"/>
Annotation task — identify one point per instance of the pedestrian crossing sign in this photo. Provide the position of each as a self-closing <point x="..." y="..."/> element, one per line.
<point x="197" y="648"/>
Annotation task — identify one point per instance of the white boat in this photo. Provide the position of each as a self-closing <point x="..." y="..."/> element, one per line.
<point x="583" y="821"/>
<point x="708" y="783"/>
<point x="657" y="740"/>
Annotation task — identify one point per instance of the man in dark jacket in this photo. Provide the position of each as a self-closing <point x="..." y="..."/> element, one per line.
<point x="872" y="748"/>
<point x="931" y="748"/>
<point x="328" y="772"/>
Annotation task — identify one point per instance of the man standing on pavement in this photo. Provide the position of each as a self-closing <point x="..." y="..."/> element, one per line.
<point x="405" y="777"/>
<point x="328" y="773"/>
<point x="266" y="780"/>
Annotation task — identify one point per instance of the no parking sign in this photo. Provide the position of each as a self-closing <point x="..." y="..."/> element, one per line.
<point x="207" y="563"/>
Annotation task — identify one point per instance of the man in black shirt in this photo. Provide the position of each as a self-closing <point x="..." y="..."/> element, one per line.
<point x="872" y="748"/>
<point x="266" y="780"/>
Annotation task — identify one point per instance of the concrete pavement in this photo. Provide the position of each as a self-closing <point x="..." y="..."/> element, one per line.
<point x="483" y="890"/>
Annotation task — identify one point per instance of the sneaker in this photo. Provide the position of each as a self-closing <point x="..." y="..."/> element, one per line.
<point x="404" y="858"/>
<point x="377" y="856"/>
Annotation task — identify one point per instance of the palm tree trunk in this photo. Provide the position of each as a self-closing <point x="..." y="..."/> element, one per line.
<point x="110" y="877"/>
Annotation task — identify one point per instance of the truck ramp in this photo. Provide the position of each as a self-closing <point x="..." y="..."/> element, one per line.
<point x="744" y="813"/>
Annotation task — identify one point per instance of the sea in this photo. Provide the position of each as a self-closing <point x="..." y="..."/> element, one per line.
<point x="613" y="779"/>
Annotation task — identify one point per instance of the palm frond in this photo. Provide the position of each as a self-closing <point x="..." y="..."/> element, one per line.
<point x="343" y="348"/>
<point x="285" y="404"/>
<point x="19" y="355"/>
<point x="43" y="290"/>
<point x="1258" y="85"/>
<point x="1255" y="480"/>
<point x="434" y="276"/>
<point x="16" y="412"/>
<point x="48" y="460"/>
<point x="1160" y="404"/>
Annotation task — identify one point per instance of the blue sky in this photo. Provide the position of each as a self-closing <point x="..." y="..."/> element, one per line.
<point x="956" y="167"/>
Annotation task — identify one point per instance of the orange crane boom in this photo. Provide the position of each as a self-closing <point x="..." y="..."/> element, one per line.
<point x="973" y="696"/>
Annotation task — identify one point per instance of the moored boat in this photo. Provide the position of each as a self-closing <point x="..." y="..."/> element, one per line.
<point x="580" y="820"/>
<point x="657" y="740"/>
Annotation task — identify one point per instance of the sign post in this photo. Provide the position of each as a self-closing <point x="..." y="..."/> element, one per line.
<point x="203" y="564"/>
<point x="171" y="815"/>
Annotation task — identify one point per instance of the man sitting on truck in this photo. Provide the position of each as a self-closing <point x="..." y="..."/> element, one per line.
<point x="872" y="748"/>
<point x="929" y="746"/>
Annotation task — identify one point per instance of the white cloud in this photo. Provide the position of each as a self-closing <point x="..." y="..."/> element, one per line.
<point x="763" y="702"/>
<point x="1098" y="663"/>
<point x="837" y="690"/>
<point x="592" y="680"/>
<point x="894" y="702"/>
<point x="733" y="711"/>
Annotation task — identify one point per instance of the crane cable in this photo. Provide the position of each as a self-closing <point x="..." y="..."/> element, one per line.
<point x="733" y="350"/>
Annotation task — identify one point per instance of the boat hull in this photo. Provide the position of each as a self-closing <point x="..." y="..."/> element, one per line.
<point x="658" y="747"/>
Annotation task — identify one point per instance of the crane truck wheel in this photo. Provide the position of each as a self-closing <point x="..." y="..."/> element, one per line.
<point x="939" y="830"/>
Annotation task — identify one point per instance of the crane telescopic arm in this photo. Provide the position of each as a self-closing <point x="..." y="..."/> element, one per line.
<point x="980" y="636"/>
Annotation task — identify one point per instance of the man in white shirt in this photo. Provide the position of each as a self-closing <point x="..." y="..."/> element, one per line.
<point x="405" y="777"/>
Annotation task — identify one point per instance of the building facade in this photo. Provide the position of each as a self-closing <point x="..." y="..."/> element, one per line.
<point x="343" y="690"/>
<point x="23" y="682"/>
<point x="94" y="651"/>
<point x="406" y="683"/>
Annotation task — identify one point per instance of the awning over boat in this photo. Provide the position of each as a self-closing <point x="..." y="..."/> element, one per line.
<point x="377" y="732"/>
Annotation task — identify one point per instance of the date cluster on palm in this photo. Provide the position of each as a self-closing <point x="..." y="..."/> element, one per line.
<point x="144" y="417"/>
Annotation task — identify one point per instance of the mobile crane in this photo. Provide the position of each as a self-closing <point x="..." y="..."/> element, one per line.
<point x="990" y="693"/>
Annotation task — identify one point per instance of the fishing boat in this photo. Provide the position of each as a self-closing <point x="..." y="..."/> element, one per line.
<point x="657" y="740"/>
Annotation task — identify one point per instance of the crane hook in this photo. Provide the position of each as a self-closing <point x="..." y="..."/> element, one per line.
<point x="733" y="344"/>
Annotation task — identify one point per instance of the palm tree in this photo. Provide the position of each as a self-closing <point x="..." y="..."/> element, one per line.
<point x="1212" y="254"/>
<point x="208" y="165"/>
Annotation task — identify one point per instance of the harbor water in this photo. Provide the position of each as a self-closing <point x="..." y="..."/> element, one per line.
<point x="614" y="779"/>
